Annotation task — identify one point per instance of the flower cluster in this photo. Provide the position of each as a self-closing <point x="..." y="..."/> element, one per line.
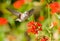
<point x="34" y="27"/>
<point x="3" y="21"/>
<point x="55" y="7"/>
<point x="41" y="18"/>
<point x="18" y="4"/>
<point x="44" y="39"/>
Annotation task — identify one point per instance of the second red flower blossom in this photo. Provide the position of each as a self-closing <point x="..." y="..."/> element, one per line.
<point x="3" y="21"/>
<point x="34" y="27"/>
<point x="55" y="7"/>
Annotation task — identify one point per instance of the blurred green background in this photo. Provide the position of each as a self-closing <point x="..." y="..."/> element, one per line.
<point x="16" y="31"/>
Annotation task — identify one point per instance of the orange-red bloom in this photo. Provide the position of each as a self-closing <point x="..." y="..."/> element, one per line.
<point x="3" y="21"/>
<point x="44" y="39"/>
<point x="34" y="27"/>
<point x="18" y="4"/>
<point x="55" y="7"/>
<point x="41" y="18"/>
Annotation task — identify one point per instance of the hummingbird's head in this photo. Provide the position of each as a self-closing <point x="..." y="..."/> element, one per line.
<point x="30" y="11"/>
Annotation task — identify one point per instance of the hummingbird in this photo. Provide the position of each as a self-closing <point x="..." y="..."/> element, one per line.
<point x="21" y="16"/>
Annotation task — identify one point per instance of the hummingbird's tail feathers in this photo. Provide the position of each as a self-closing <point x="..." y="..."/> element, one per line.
<point x="13" y="12"/>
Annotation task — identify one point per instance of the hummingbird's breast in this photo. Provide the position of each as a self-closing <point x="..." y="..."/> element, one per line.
<point x="23" y="16"/>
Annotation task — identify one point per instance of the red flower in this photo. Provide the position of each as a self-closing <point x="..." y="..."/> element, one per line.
<point x="41" y="18"/>
<point x="31" y="30"/>
<point x="55" y="7"/>
<point x="44" y="39"/>
<point x="38" y="24"/>
<point x="40" y="29"/>
<point x="3" y="21"/>
<point x="18" y="4"/>
<point x="34" y="27"/>
<point x="31" y="23"/>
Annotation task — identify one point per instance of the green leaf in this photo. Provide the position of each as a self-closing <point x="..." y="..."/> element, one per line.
<point x="24" y="7"/>
<point x="31" y="18"/>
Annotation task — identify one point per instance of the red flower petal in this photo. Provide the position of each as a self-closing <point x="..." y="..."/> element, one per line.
<point x="55" y="7"/>
<point x="40" y="29"/>
<point x="33" y="27"/>
<point x="3" y="21"/>
<point x="30" y="23"/>
<point x="41" y="18"/>
<point x="18" y="4"/>
<point x="38" y="24"/>
<point x="43" y="39"/>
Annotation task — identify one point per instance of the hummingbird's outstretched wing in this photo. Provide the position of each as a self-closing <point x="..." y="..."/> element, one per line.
<point x="14" y="12"/>
<point x="21" y="17"/>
